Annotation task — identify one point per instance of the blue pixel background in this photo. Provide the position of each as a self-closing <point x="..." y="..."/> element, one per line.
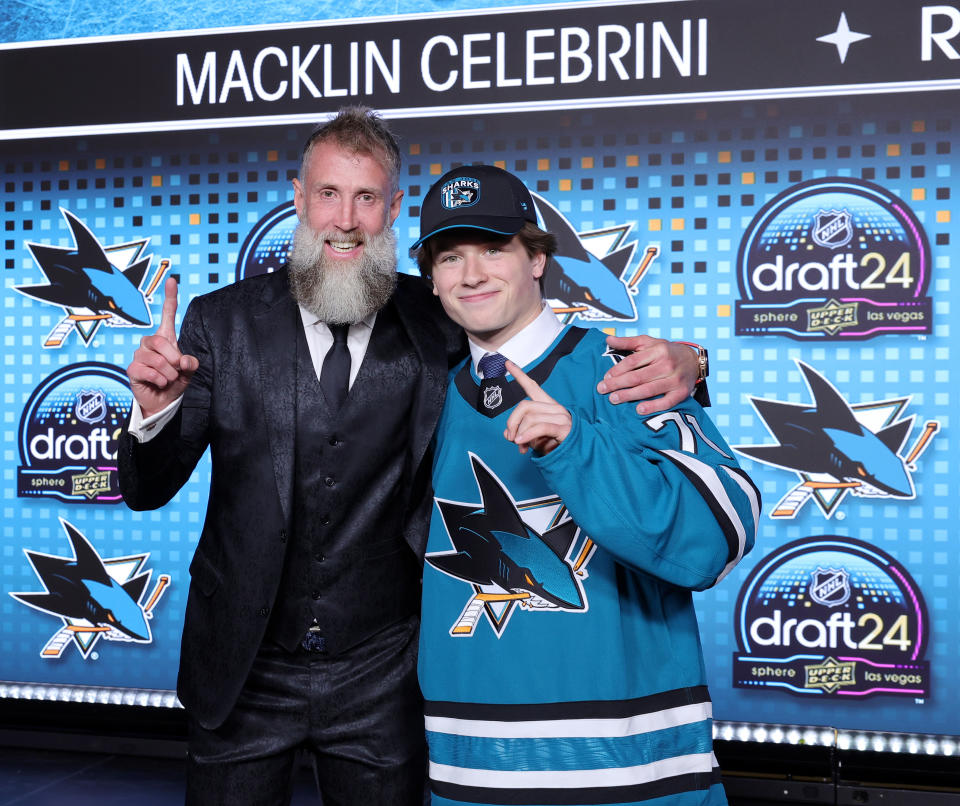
<point x="51" y="19"/>
<point x="690" y="178"/>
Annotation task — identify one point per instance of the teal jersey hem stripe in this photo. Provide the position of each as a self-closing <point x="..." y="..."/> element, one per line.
<point x="569" y="753"/>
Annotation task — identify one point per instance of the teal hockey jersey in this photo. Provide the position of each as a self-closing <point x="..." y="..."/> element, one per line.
<point x="560" y="659"/>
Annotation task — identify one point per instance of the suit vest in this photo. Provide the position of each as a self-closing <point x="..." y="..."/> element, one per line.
<point x="347" y="564"/>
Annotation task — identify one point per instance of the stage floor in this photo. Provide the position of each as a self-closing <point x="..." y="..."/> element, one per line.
<point x="31" y="777"/>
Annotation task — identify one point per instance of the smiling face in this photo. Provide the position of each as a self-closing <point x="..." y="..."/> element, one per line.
<point x="488" y="285"/>
<point x="346" y="196"/>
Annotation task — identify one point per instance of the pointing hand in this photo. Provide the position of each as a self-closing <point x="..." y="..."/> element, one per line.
<point x="539" y="422"/>
<point x="159" y="372"/>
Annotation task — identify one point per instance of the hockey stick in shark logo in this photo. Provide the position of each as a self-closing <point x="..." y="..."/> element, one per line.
<point x="59" y="641"/>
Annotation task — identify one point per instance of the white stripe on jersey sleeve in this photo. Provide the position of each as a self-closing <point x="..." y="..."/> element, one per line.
<point x="708" y="476"/>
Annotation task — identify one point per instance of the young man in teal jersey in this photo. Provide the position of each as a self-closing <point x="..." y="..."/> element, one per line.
<point x="560" y="660"/>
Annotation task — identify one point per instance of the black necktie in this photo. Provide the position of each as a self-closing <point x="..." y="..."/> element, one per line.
<point x="335" y="372"/>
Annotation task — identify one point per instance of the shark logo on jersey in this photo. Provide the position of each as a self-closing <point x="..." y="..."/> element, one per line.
<point x="94" y="598"/>
<point x="512" y="553"/>
<point x="93" y="284"/>
<point x="588" y="275"/>
<point x="837" y="448"/>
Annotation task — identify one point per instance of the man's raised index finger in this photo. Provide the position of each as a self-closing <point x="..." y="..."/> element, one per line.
<point x="168" y="314"/>
<point x="530" y="386"/>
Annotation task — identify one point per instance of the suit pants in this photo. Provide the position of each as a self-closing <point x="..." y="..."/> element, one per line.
<point x="359" y="713"/>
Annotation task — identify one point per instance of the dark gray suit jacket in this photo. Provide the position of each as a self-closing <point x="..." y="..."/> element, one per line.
<point x="240" y="404"/>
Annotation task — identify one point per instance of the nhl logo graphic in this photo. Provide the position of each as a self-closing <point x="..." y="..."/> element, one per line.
<point x="91" y="406"/>
<point x="829" y="586"/>
<point x="832" y="228"/>
<point x="460" y="192"/>
<point x="492" y="397"/>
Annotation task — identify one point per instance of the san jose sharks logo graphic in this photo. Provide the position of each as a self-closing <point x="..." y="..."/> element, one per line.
<point x="460" y="192"/>
<point x="589" y="276"/>
<point x="526" y="554"/>
<point x="837" y="448"/>
<point x="95" y="285"/>
<point x="93" y="598"/>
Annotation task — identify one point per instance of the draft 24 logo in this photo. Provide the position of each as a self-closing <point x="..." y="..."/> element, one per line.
<point x="836" y="448"/>
<point x="93" y="598"/>
<point x="832" y="616"/>
<point x="588" y="279"/>
<point x="68" y="435"/>
<point x="834" y="259"/>
<point x="93" y="284"/>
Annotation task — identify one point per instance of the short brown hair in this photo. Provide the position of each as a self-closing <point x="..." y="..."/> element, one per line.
<point x="534" y="240"/>
<point x="361" y="130"/>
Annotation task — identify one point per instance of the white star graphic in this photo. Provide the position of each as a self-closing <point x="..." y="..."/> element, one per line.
<point x="843" y="37"/>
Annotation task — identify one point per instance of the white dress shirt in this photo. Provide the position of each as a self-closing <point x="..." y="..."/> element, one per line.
<point x="528" y="344"/>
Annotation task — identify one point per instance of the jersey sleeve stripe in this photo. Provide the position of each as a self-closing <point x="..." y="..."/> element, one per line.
<point x="708" y="483"/>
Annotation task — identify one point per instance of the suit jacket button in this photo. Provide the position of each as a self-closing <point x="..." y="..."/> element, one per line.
<point x="334" y="442"/>
<point x="329" y="481"/>
<point x="263" y="611"/>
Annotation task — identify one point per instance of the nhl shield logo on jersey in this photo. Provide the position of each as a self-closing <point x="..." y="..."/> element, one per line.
<point x="526" y="554"/>
<point x="492" y="397"/>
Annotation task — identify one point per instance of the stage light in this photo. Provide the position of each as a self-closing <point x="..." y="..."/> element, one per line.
<point x="858" y="740"/>
<point x="145" y="698"/>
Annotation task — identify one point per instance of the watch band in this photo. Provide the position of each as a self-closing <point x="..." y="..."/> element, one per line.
<point x="703" y="360"/>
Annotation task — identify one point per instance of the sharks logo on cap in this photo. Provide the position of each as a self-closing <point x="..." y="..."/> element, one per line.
<point x="527" y="554"/>
<point x="460" y="192"/>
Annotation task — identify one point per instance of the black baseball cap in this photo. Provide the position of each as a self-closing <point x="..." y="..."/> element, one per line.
<point x="480" y="197"/>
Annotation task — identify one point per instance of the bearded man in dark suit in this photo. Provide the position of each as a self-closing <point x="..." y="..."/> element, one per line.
<point x="317" y="389"/>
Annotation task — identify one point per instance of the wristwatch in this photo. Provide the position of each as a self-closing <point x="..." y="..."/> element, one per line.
<point x="703" y="361"/>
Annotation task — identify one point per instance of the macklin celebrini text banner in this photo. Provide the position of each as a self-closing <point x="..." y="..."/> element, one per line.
<point x="614" y="54"/>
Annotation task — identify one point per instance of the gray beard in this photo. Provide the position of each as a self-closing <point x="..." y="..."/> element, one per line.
<point x="342" y="292"/>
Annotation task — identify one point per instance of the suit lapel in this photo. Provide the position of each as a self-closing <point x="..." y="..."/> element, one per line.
<point x="276" y="334"/>
<point x="429" y="343"/>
